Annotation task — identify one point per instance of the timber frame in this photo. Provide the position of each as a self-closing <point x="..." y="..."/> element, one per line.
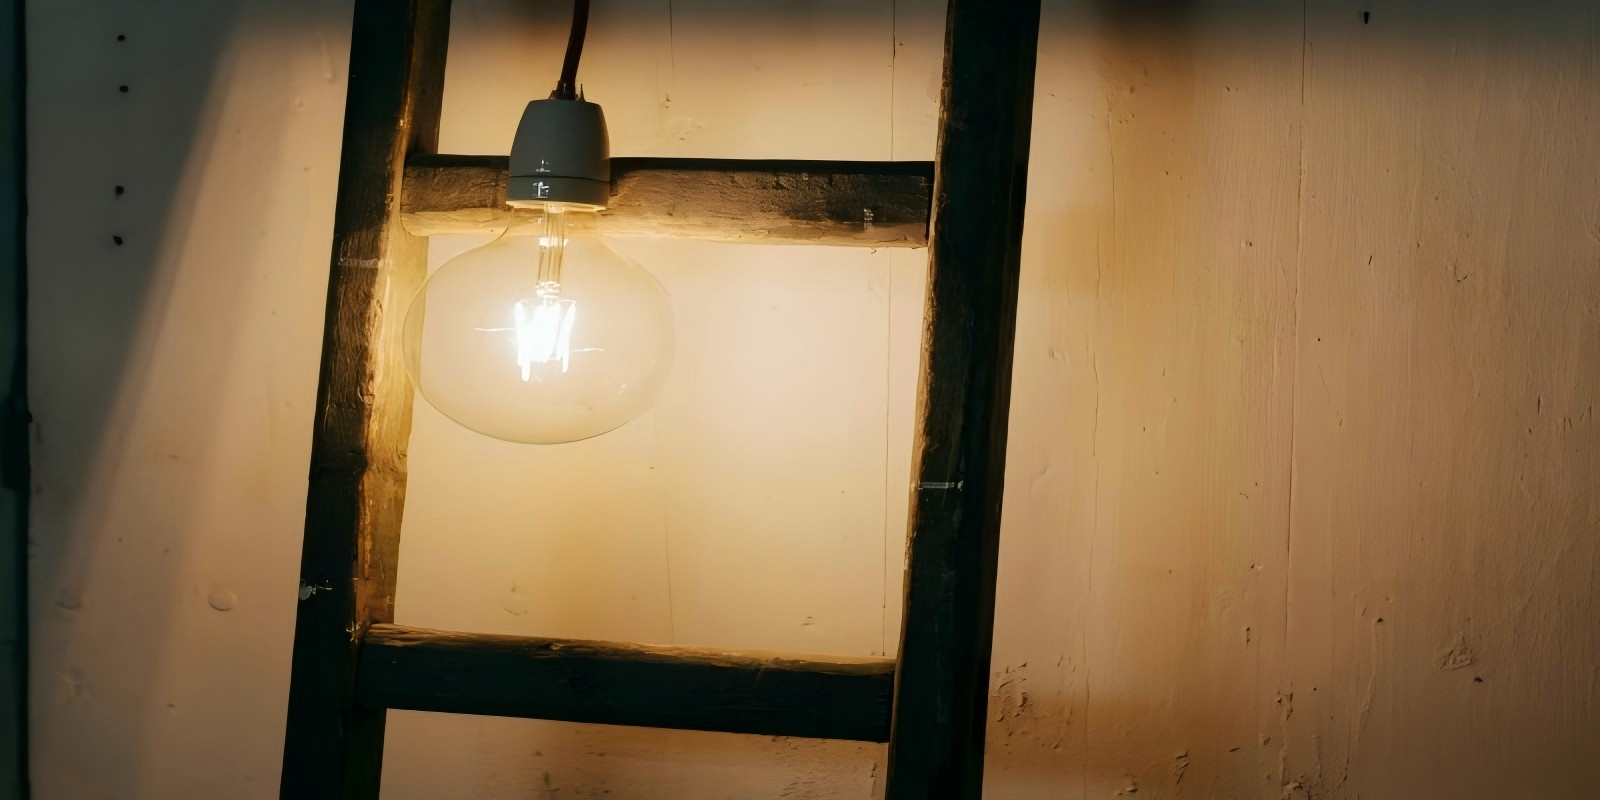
<point x="351" y="662"/>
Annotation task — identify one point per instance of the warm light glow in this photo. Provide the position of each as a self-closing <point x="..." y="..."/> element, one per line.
<point x="544" y="332"/>
<point x="494" y="339"/>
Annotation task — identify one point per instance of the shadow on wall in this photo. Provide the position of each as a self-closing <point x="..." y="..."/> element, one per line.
<point x="167" y="233"/>
<point x="711" y="78"/>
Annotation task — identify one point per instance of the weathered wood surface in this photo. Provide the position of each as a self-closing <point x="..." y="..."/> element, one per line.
<point x="626" y="684"/>
<point x="334" y="748"/>
<point x="16" y="481"/>
<point x="975" y="252"/>
<point x="851" y="203"/>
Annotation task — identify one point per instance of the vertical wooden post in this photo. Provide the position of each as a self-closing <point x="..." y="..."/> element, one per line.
<point x="333" y="747"/>
<point x="14" y="418"/>
<point x="980" y="178"/>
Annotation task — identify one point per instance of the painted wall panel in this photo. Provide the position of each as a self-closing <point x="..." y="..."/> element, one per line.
<point x="1441" y="635"/>
<point x="173" y="364"/>
<point x="1148" y="484"/>
<point x="761" y="504"/>
<point x="1306" y="350"/>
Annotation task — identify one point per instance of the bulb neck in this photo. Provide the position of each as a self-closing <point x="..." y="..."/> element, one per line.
<point x="552" y="249"/>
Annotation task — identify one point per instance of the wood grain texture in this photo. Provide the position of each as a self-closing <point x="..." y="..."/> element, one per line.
<point x="357" y="486"/>
<point x="841" y="203"/>
<point x="626" y="684"/>
<point x="942" y="687"/>
<point x="15" y="476"/>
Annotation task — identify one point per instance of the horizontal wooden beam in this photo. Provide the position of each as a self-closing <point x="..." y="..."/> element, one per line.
<point x="851" y="203"/>
<point x="625" y="684"/>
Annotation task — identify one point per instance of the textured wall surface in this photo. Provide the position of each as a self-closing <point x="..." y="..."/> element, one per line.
<point x="1304" y="449"/>
<point x="183" y="163"/>
<point x="1300" y="500"/>
<point x="762" y="503"/>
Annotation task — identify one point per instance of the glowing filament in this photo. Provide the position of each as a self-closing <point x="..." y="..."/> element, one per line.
<point x="543" y="329"/>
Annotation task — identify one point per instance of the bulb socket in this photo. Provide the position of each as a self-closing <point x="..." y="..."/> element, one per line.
<point x="561" y="154"/>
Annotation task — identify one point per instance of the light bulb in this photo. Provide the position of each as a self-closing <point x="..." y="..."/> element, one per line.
<point x="542" y="336"/>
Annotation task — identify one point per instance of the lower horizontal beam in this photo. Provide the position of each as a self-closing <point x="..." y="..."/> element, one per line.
<point x="851" y="203"/>
<point x="625" y="684"/>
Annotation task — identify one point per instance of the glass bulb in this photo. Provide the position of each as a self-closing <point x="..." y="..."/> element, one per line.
<point x="540" y="336"/>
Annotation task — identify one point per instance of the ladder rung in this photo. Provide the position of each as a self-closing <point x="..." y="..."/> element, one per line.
<point x="850" y="203"/>
<point x="626" y="684"/>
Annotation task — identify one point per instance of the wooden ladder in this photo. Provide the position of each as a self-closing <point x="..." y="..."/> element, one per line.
<point x="351" y="662"/>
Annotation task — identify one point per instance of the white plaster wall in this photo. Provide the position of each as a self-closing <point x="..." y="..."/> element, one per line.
<point x="172" y="378"/>
<point x="760" y="505"/>
<point x="1303" y="444"/>
<point x="1303" y="450"/>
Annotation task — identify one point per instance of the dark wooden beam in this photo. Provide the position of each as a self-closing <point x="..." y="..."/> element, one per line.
<point x="333" y="747"/>
<point x="15" y="428"/>
<point x="852" y="203"/>
<point x="942" y="686"/>
<point x="626" y="684"/>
